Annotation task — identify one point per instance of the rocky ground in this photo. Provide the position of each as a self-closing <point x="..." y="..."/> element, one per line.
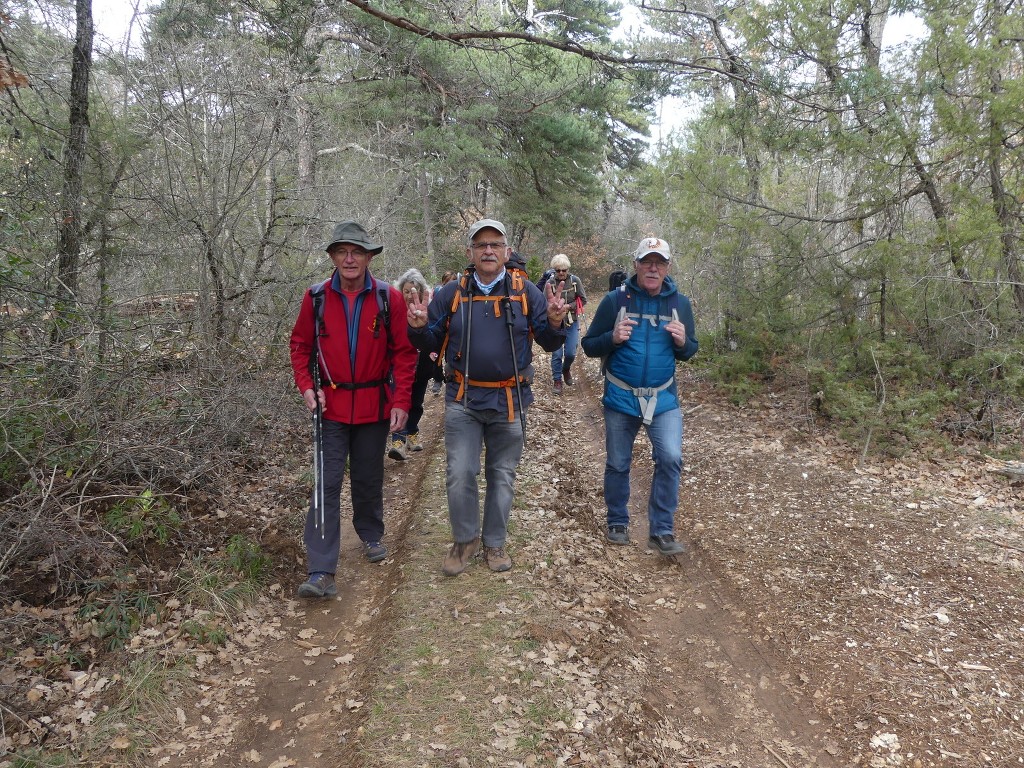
<point x="829" y="611"/>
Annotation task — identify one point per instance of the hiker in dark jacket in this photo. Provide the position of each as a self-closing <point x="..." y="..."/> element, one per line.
<point x="469" y="319"/>
<point x="366" y="368"/>
<point x="640" y="330"/>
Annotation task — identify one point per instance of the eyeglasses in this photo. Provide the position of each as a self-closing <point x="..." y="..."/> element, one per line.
<point x="656" y="263"/>
<point x="561" y="270"/>
<point x="485" y="246"/>
<point x="355" y="253"/>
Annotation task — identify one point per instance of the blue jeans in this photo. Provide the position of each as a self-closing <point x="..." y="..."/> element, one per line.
<point x="362" y="447"/>
<point x="562" y="357"/>
<point x="466" y="433"/>
<point x="666" y="435"/>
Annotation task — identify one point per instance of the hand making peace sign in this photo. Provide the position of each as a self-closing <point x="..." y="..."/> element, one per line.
<point x="556" y="303"/>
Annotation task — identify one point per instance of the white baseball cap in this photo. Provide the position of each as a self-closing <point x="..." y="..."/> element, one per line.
<point x="484" y="224"/>
<point x="653" y="245"/>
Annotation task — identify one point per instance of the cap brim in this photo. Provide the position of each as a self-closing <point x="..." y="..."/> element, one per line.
<point x="371" y="248"/>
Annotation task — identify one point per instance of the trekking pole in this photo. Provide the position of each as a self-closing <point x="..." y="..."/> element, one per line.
<point x="509" y="321"/>
<point x="318" y="436"/>
<point x="468" y="325"/>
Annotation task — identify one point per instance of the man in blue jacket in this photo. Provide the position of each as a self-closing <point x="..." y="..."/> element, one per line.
<point x="640" y="330"/>
<point x="483" y="324"/>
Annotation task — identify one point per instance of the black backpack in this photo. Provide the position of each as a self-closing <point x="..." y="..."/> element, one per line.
<point x="616" y="278"/>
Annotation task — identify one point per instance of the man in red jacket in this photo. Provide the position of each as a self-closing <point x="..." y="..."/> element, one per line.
<point x="366" y="371"/>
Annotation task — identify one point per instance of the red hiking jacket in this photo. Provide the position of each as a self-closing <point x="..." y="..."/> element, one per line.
<point x="357" y="356"/>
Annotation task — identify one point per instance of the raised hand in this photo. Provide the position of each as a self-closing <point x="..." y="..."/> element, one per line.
<point x="417" y="314"/>
<point x="623" y="329"/>
<point x="676" y="329"/>
<point x="557" y="307"/>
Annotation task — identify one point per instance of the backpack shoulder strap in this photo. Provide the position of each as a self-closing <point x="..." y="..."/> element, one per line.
<point x="383" y="309"/>
<point x="460" y="287"/>
<point x="316" y="292"/>
<point x="622" y="298"/>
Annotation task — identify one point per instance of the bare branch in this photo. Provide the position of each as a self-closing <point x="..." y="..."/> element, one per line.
<point x="465" y="38"/>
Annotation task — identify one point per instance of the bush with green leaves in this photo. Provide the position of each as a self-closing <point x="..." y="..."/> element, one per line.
<point x="991" y="389"/>
<point x="116" y="613"/>
<point x="894" y="393"/>
<point x="205" y="632"/>
<point x="742" y="360"/>
<point x="144" y="518"/>
<point x="246" y="557"/>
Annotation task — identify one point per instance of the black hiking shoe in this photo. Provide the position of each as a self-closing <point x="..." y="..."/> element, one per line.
<point x="617" y="534"/>
<point x="666" y="544"/>
<point x="374" y="551"/>
<point x="318" y="585"/>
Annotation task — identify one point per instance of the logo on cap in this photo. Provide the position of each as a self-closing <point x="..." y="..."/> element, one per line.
<point x="653" y="245"/>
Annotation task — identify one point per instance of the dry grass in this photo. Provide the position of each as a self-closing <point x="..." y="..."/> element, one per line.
<point x="458" y="679"/>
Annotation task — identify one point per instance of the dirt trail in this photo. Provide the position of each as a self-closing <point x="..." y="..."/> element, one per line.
<point x="822" y="616"/>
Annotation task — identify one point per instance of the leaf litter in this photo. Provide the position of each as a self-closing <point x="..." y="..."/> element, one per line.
<point x="828" y="612"/>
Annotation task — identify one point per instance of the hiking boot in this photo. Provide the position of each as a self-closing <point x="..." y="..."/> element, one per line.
<point x="497" y="559"/>
<point x="567" y="377"/>
<point x="617" y="534"/>
<point x="435" y="387"/>
<point x="666" y="544"/>
<point x="558" y="386"/>
<point x="397" y="450"/>
<point x="374" y="551"/>
<point x="414" y="443"/>
<point x="318" y="585"/>
<point x="458" y="557"/>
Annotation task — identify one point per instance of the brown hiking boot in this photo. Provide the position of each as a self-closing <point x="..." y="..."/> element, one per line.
<point x="497" y="559"/>
<point x="458" y="557"/>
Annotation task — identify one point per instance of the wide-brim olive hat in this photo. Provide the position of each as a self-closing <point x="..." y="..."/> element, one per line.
<point x="351" y="232"/>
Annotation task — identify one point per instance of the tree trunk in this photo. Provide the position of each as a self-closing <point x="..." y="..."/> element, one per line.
<point x="1002" y="201"/>
<point x="64" y="335"/>
<point x="428" y="223"/>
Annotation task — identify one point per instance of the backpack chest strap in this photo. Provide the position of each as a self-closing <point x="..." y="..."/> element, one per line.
<point x="646" y="396"/>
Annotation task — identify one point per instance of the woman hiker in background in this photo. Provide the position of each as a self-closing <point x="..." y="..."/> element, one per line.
<point x="414" y="290"/>
<point x="575" y="297"/>
<point x="437" y="382"/>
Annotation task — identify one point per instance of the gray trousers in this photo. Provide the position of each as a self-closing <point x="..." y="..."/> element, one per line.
<point x="466" y="433"/>
<point x="362" y="446"/>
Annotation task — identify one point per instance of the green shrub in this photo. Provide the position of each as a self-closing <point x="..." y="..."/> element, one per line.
<point x="246" y="557"/>
<point x="117" y="615"/>
<point x="898" y="401"/>
<point x="206" y="633"/>
<point x="144" y="518"/>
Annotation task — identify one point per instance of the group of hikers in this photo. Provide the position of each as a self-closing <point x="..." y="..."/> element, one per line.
<point x="364" y="354"/>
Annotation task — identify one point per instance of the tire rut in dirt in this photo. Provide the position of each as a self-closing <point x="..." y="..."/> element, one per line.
<point x="710" y="673"/>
